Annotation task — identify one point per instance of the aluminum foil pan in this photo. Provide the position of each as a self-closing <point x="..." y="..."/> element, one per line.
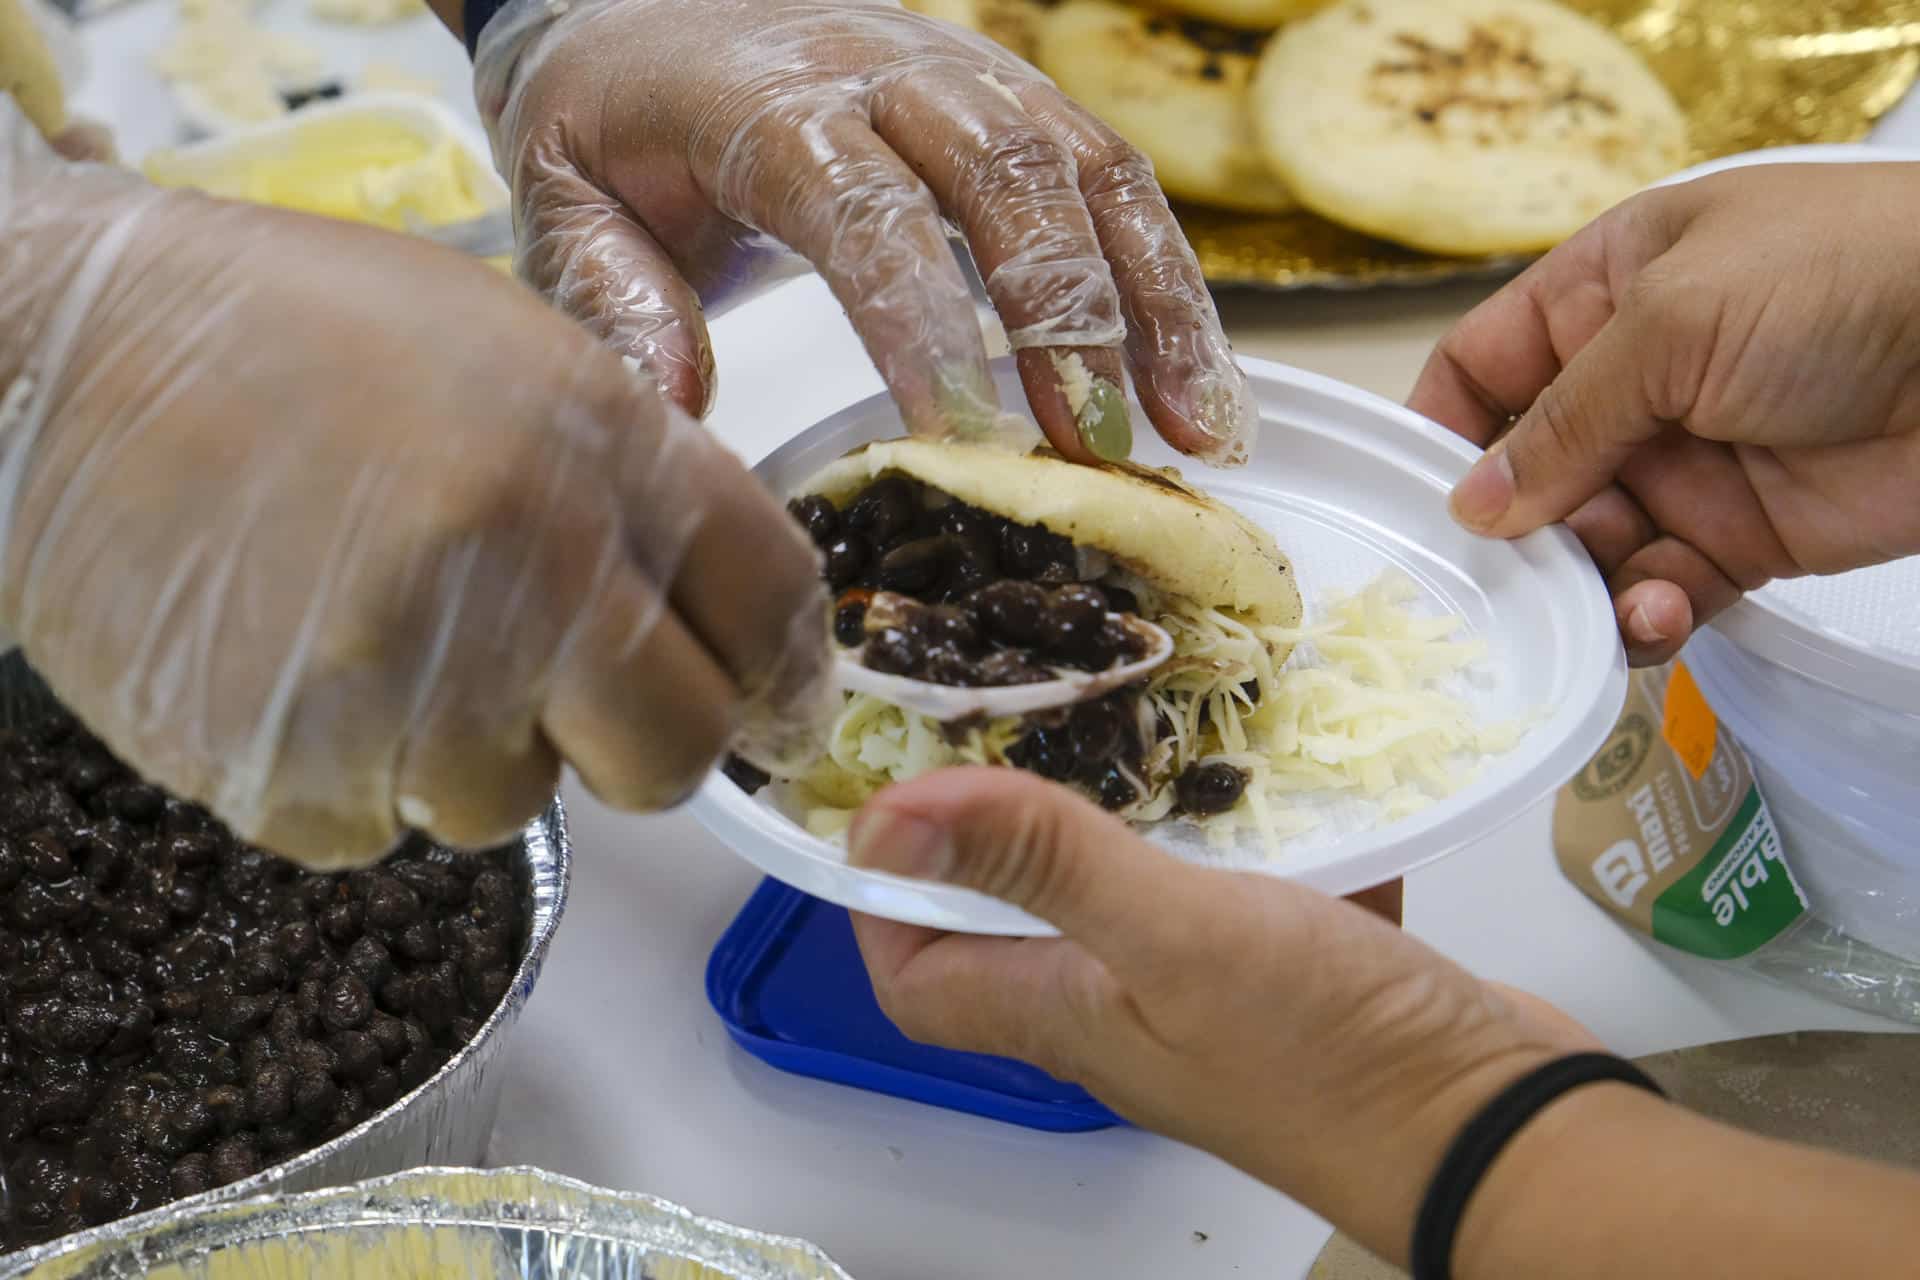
<point x="447" y="1120"/>
<point x="435" y="1224"/>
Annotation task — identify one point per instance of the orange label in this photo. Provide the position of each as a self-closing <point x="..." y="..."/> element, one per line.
<point x="1690" y="726"/>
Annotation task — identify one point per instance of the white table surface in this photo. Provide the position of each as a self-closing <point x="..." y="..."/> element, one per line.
<point x="621" y="1074"/>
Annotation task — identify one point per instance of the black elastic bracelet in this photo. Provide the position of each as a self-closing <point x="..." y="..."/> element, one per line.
<point x="1487" y="1135"/>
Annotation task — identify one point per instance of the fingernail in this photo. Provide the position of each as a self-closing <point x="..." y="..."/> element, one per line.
<point x="1225" y="412"/>
<point x="1642" y="629"/>
<point x="1106" y="424"/>
<point x="882" y="840"/>
<point x="1483" y="497"/>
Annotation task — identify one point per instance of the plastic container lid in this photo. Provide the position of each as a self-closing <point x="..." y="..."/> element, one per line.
<point x="787" y="980"/>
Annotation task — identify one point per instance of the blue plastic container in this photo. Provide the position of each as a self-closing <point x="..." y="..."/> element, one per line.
<point x="787" y="980"/>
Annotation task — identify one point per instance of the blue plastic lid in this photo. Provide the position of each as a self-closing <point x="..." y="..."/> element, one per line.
<point x="787" y="980"/>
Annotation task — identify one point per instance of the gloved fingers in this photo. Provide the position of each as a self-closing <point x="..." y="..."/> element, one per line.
<point x="637" y="706"/>
<point x="1183" y="368"/>
<point x="740" y="574"/>
<point x="582" y="249"/>
<point x="1013" y="190"/>
<point x="840" y="197"/>
<point x="465" y="785"/>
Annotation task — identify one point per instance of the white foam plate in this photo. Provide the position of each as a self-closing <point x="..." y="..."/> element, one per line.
<point x="1350" y="485"/>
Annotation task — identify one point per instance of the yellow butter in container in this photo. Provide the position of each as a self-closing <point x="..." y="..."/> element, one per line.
<point x="396" y="161"/>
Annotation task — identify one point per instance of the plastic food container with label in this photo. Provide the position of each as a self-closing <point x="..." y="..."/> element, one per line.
<point x="1819" y="679"/>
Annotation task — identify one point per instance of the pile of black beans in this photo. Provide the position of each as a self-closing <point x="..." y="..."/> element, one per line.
<point x="997" y="603"/>
<point x="184" y="1010"/>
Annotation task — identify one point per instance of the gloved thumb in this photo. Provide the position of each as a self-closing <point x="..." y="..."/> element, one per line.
<point x="1574" y="438"/>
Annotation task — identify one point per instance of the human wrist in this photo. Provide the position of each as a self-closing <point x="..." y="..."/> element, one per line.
<point x="1515" y="1213"/>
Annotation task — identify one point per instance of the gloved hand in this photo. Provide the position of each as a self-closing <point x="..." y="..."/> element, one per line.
<point x="338" y="532"/>
<point x="1715" y="384"/>
<point x="661" y="152"/>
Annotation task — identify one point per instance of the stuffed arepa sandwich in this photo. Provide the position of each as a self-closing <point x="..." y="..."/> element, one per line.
<point x="971" y="566"/>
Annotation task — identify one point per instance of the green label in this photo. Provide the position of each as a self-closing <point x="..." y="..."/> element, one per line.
<point x="1739" y="898"/>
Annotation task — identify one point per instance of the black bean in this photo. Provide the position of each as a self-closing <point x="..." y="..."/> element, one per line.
<point x="174" y="1130"/>
<point x="1209" y="788"/>
<point x="258" y="968"/>
<point x="346" y="1004"/>
<point x="1120" y="600"/>
<point x="1117" y="790"/>
<point x="382" y="1087"/>
<point x="228" y="1105"/>
<point x="86" y="984"/>
<point x="390" y="1033"/>
<point x="86" y="774"/>
<point x="369" y="960"/>
<point x="1071" y="623"/>
<point x="143" y="922"/>
<point x="270" y="1094"/>
<point x="418" y="942"/>
<point x="357" y="1054"/>
<point x="817" y="516"/>
<point x="186" y="900"/>
<point x="495" y="895"/>
<point x="46" y="855"/>
<point x="893" y="651"/>
<point x="232" y="1160"/>
<point x="850" y="623"/>
<point x="1027" y="551"/>
<point x="885" y="512"/>
<point x="938" y="626"/>
<point x="1012" y="611"/>
<point x="298" y="941"/>
<point x="914" y="567"/>
<point x="132" y="1027"/>
<point x="1097" y="730"/>
<point x="1046" y="752"/>
<point x="314" y="1095"/>
<point x="192" y="849"/>
<point x="845" y="559"/>
<point x="341" y="923"/>
<point x="231" y="1016"/>
<point x="487" y="989"/>
<point x="135" y="801"/>
<point x="13" y="863"/>
<point x="433" y="884"/>
<point x="191" y="1174"/>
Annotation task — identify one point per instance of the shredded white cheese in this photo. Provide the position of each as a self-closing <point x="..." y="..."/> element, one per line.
<point x="1361" y="710"/>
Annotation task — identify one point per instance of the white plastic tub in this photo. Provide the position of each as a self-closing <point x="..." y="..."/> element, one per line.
<point x="1841" y="774"/>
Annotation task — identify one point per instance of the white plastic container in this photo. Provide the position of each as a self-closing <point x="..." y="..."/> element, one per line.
<point x="1838" y="759"/>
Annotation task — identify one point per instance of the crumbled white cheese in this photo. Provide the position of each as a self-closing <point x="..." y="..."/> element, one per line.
<point x="1076" y="380"/>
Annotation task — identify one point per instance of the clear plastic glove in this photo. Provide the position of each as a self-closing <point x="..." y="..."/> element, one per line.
<point x="662" y="151"/>
<point x="1715" y="384"/>
<point x="341" y="533"/>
